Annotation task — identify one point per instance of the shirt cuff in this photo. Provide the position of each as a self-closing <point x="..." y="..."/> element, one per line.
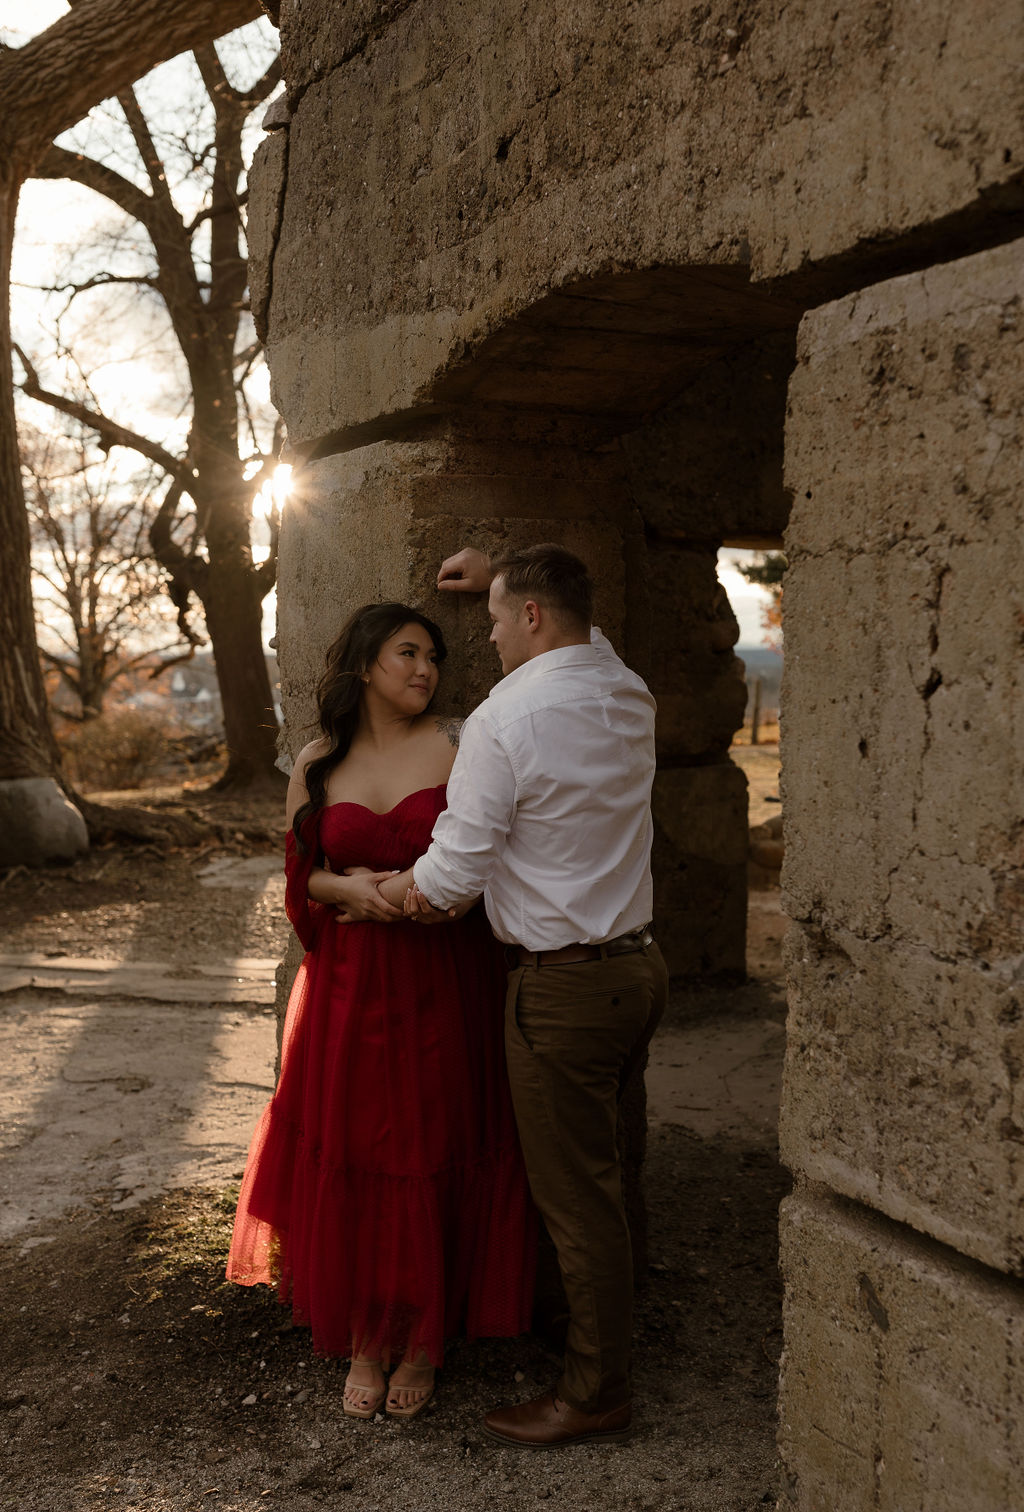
<point x="438" y="890"/>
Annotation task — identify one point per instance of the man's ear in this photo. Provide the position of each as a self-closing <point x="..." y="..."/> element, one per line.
<point x="532" y="612"/>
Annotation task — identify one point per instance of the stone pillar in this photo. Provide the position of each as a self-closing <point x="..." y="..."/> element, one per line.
<point x="707" y="469"/>
<point x="700" y="797"/>
<point x="903" y="1246"/>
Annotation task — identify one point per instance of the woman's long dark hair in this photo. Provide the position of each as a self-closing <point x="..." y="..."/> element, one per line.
<point x="338" y="691"/>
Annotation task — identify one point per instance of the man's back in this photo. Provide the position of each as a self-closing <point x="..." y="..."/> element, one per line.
<point x="567" y="741"/>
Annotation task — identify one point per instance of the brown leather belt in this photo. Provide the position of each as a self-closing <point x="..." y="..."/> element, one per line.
<point x="568" y="955"/>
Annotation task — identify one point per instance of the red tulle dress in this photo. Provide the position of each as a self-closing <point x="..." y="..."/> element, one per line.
<point x="384" y="1192"/>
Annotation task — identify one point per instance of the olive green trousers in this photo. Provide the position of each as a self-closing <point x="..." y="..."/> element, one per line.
<point x="574" y="1034"/>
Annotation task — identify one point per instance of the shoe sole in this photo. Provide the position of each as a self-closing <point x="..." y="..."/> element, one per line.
<point x="618" y="1436"/>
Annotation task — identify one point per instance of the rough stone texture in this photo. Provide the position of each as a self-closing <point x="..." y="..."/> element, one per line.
<point x="38" y="824"/>
<point x="266" y="199"/>
<point x="708" y="467"/>
<point x="680" y="635"/>
<point x="904" y="721"/>
<point x="686" y="656"/>
<point x="902" y="1087"/>
<point x="375" y="524"/>
<point x="700" y="868"/>
<point x="903" y="1371"/>
<point x="451" y="164"/>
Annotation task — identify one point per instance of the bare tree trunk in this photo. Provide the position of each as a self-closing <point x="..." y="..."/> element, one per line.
<point x="234" y="620"/>
<point x="226" y="581"/>
<point x="27" y="746"/>
<point x="98" y="48"/>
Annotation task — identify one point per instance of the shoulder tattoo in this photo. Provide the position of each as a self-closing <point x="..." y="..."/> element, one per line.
<point x="451" y="727"/>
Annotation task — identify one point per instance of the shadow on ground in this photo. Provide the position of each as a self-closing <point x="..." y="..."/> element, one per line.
<point x="131" y="1365"/>
<point x="135" y="1379"/>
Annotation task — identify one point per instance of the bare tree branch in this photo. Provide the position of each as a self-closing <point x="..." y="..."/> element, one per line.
<point x="112" y="433"/>
<point x="46" y="88"/>
<point x="59" y="163"/>
<point x="241" y="199"/>
<point x="263" y="87"/>
<point x="188" y="571"/>
<point x="211" y="71"/>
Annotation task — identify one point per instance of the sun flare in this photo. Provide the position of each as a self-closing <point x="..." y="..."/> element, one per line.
<point x="274" y="493"/>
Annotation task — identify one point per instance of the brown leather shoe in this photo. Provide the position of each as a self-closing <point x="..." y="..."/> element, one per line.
<point x="547" y="1423"/>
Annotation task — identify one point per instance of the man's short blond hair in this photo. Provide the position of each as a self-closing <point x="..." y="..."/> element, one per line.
<point x="553" y="578"/>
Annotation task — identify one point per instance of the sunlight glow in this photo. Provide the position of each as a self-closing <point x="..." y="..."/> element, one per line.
<point x="274" y="493"/>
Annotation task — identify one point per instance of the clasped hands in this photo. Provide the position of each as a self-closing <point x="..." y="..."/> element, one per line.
<point x="364" y="903"/>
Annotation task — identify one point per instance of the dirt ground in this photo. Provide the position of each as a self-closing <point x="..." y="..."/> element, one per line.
<point x="135" y="1378"/>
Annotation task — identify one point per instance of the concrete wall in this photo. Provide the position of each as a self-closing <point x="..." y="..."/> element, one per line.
<point x="611" y="217"/>
<point x="451" y="164"/>
<point x="903" y="1376"/>
<point x="903" y="790"/>
<point x="531" y="271"/>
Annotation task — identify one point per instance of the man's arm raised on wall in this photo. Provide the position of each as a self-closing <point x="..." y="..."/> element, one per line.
<point x="468" y="571"/>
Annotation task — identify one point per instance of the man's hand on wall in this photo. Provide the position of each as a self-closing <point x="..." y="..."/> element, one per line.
<point x="468" y="571"/>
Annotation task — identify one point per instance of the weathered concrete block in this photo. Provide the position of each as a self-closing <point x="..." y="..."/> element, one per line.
<point x="689" y="664"/>
<point x="709" y="466"/>
<point x="451" y="164"/>
<point x="263" y="222"/>
<point x="903" y="1371"/>
<point x="901" y="1088"/>
<point x="904" y="719"/>
<point x="342" y="544"/>
<point x="38" y="824"/>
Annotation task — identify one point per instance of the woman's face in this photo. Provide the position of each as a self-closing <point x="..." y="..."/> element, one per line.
<point x="404" y="674"/>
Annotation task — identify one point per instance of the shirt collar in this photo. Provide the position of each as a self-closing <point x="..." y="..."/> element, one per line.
<point x="547" y="661"/>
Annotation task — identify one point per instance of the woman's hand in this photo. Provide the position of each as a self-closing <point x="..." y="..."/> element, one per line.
<point x="356" y="898"/>
<point x="421" y="911"/>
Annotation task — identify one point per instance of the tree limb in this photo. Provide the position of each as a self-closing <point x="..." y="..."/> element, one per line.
<point x="46" y="88"/>
<point x="240" y="200"/>
<point x="211" y="71"/>
<point x="263" y="86"/>
<point x="112" y="433"/>
<point x="188" y="573"/>
<point x="151" y="159"/>
<point x="101" y="281"/>
<point x="59" y="163"/>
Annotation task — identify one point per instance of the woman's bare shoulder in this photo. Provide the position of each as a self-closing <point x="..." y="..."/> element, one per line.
<point x="311" y="752"/>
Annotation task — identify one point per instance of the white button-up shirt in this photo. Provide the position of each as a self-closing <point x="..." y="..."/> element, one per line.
<point x="549" y="803"/>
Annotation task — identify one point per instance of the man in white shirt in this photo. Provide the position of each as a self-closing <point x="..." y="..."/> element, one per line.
<point x="549" y="818"/>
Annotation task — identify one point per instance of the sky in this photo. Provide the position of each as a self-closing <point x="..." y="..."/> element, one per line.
<point x="18" y="22"/>
<point x="747" y="599"/>
<point x="54" y="217"/>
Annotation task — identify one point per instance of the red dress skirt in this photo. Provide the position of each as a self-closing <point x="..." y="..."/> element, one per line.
<point x="384" y="1192"/>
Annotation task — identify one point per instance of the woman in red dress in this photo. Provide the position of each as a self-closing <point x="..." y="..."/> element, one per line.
<point x="384" y="1193"/>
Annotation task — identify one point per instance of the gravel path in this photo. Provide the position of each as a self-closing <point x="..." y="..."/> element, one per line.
<point x="136" y="1379"/>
